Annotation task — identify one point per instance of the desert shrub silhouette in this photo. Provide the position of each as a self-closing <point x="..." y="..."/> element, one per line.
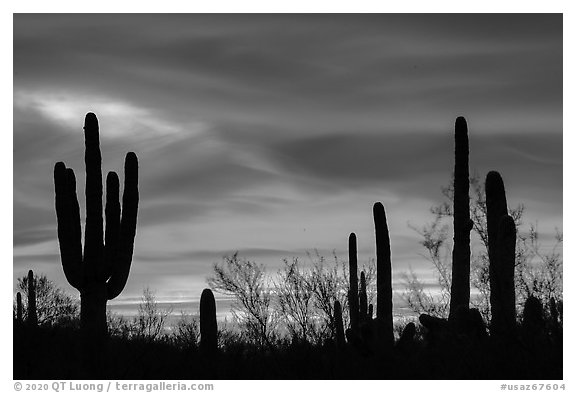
<point x="52" y="304"/>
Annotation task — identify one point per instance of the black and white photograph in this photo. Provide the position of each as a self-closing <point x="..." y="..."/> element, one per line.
<point x="288" y="196"/>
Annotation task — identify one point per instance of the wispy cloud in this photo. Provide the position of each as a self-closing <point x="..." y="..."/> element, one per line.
<point x="274" y="134"/>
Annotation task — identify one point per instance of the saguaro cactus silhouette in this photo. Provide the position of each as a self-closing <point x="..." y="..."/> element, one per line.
<point x="384" y="322"/>
<point x="353" y="294"/>
<point x="208" y="324"/>
<point x="460" y="290"/>
<point x="32" y="319"/>
<point x="19" y="309"/>
<point x="101" y="271"/>
<point x="339" y="324"/>
<point x="501" y="269"/>
<point x="504" y="301"/>
<point x="363" y="298"/>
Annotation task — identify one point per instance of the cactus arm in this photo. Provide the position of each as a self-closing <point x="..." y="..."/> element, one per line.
<point x="130" y="200"/>
<point x="112" y="230"/>
<point x="76" y="226"/>
<point x="460" y="288"/>
<point x="68" y="219"/>
<point x="353" y="294"/>
<point x="121" y="267"/>
<point x="94" y="234"/>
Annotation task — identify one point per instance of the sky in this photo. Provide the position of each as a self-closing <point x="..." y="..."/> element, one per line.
<point x="273" y="135"/>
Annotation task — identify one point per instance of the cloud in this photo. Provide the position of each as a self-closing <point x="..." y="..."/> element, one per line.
<point x="128" y="120"/>
<point x="275" y="134"/>
<point x="355" y="71"/>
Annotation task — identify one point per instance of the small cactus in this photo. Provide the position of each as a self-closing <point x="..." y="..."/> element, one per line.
<point x="208" y="324"/>
<point x="32" y="319"/>
<point x="384" y="321"/>
<point x="477" y="327"/>
<point x="353" y="293"/>
<point x="533" y="316"/>
<point x="19" y="308"/>
<point x="407" y="336"/>
<point x="363" y="301"/>
<point x="340" y="341"/>
<point x="460" y="288"/>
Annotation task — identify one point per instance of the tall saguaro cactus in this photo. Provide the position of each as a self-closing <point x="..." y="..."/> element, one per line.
<point x="460" y="290"/>
<point x="208" y="324"/>
<point x="353" y="294"/>
<point x="32" y="319"/>
<point x="384" y="322"/>
<point x="101" y="271"/>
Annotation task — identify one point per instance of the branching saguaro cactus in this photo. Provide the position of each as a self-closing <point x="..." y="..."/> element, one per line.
<point x="100" y="272"/>
<point x="32" y="319"/>
<point x="353" y="293"/>
<point x="208" y="324"/>
<point x="460" y="290"/>
<point x="501" y="255"/>
<point x="384" y="321"/>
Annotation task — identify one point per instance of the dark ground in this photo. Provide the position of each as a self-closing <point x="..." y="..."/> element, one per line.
<point x="56" y="353"/>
